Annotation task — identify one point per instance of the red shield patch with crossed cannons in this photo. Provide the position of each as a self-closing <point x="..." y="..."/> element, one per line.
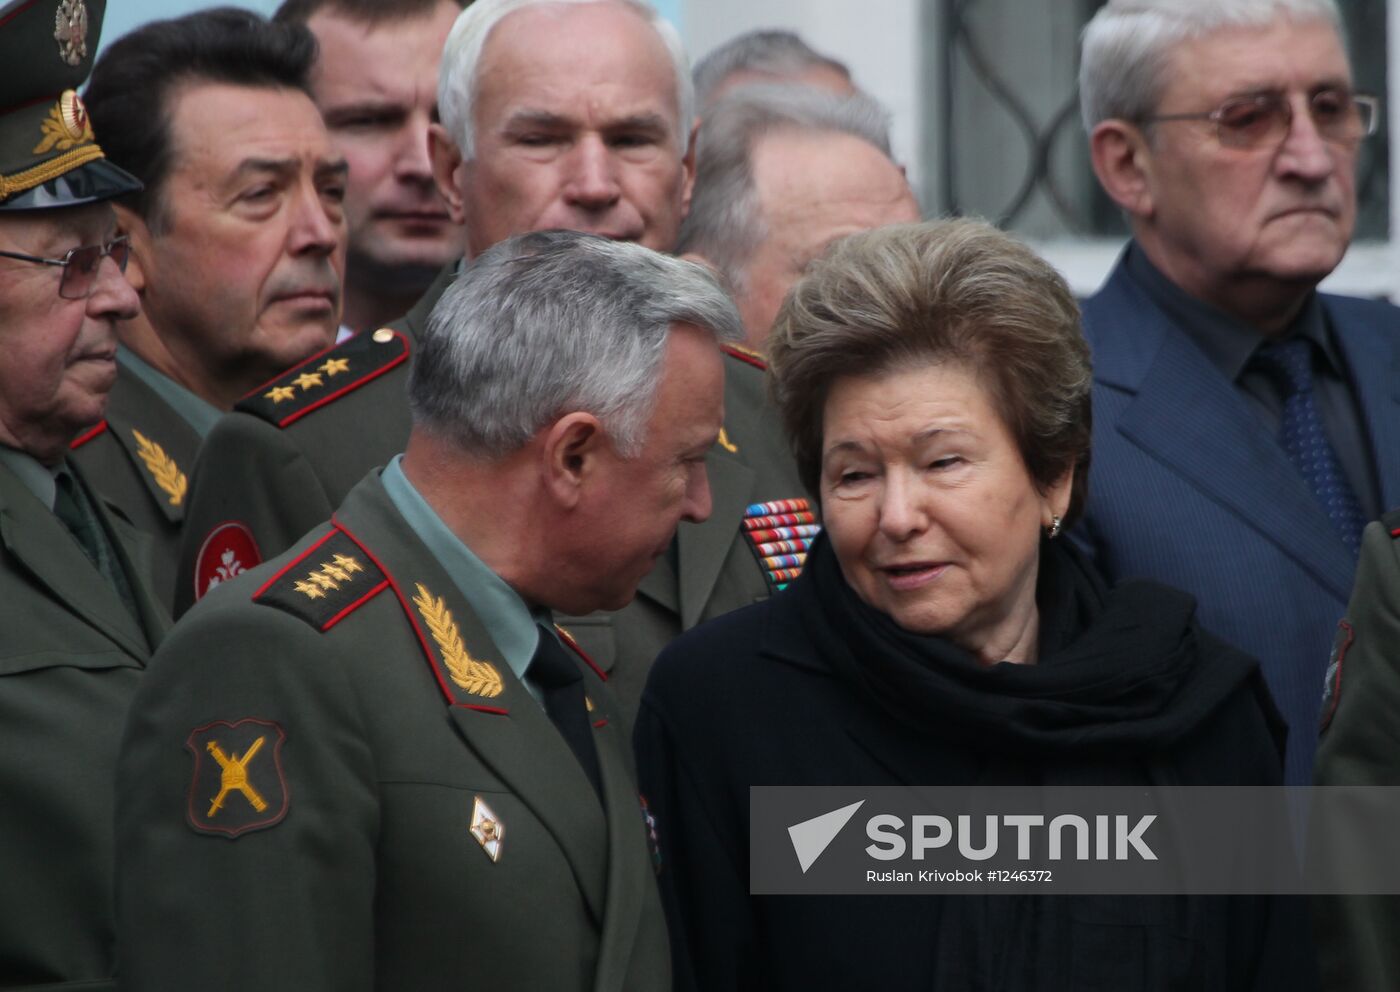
<point x="229" y="550"/>
<point x="238" y="783"/>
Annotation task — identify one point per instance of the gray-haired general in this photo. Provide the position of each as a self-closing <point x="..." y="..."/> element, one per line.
<point x="767" y="56"/>
<point x="1246" y="426"/>
<point x="374" y="762"/>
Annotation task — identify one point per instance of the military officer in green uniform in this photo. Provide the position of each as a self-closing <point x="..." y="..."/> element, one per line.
<point x="1358" y="936"/>
<point x="77" y="618"/>
<point x="374" y="762"/>
<point x="236" y="284"/>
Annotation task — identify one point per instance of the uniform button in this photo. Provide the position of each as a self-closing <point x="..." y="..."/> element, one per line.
<point x="383" y="336"/>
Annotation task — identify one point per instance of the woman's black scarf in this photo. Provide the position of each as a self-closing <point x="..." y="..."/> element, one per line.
<point x="1117" y="667"/>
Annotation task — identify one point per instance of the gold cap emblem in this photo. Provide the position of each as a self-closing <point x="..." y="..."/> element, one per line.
<point x="74" y="116"/>
<point x="66" y="127"/>
<point x="70" y="30"/>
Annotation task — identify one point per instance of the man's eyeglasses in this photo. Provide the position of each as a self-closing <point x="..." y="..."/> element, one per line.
<point x="1262" y="119"/>
<point x="80" y="265"/>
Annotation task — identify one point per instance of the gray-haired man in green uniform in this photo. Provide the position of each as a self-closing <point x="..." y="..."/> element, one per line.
<point x="77" y="620"/>
<point x="374" y="762"/>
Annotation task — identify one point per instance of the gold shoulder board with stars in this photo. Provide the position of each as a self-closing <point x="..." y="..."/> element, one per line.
<point x="325" y="583"/>
<point x="326" y="377"/>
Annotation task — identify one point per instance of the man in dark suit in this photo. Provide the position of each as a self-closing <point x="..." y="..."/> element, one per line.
<point x="1246" y="426"/>
<point x="238" y="243"/>
<point x="78" y="621"/>
<point x="373" y="763"/>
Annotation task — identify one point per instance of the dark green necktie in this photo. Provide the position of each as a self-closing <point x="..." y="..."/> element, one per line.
<point x="72" y="506"/>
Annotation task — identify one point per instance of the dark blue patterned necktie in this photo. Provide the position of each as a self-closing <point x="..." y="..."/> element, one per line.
<point x="1305" y="439"/>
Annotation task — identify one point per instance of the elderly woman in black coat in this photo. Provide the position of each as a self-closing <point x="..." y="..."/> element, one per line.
<point x="934" y="384"/>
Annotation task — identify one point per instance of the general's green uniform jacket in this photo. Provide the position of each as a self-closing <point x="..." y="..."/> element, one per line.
<point x="385" y="747"/>
<point x="1359" y="936"/>
<point x="138" y="459"/>
<point x="71" y="656"/>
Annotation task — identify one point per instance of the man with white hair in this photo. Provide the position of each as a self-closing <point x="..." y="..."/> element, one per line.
<point x="567" y="114"/>
<point x="1245" y="426"/>
<point x="374" y="762"/>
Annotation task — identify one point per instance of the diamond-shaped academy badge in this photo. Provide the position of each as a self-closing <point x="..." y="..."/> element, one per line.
<point x="487" y="829"/>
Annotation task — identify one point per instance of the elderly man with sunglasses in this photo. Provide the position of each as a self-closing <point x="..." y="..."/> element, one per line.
<point x="1246" y="426"/>
<point x="78" y="621"/>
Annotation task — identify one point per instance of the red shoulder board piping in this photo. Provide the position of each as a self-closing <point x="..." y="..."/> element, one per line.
<point x="87" y="436"/>
<point x="747" y="355"/>
<point x="325" y="377"/>
<point x="325" y="583"/>
<point x="1391" y="522"/>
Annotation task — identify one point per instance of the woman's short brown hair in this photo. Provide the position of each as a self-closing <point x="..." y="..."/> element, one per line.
<point x="942" y="291"/>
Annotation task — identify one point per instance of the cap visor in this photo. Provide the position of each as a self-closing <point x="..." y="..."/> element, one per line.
<point x="91" y="182"/>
